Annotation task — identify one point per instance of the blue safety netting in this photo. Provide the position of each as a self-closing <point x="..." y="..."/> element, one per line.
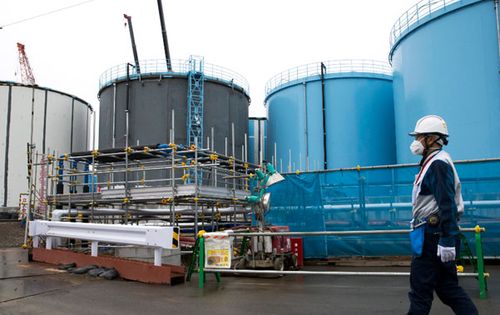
<point x="377" y="199"/>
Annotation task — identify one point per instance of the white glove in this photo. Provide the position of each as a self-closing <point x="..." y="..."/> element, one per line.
<point x="446" y="253"/>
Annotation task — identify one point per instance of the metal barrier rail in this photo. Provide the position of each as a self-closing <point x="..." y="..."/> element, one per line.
<point x="481" y="274"/>
<point x="159" y="238"/>
<point x="328" y="273"/>
<point x="332" y="66"/>
<point x="179" y="67"/>
<point x="412" y="16"/>
<point x="331" y="233"/>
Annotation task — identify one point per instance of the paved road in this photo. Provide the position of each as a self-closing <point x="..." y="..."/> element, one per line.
<point x="38" y="289"/>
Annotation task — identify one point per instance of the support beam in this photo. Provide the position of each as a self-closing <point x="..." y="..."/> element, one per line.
<point x="94" y="249"/>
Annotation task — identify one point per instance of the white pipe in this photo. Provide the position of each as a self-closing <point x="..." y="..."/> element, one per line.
<point x="173" y="126"/>
<point x="213" y="146"/>
<point x="114" y="116"/>
<point x="233" y="152"/>
<point x="245" y="146"/>
<point x="276" y="156"/>
<point x="326" y="273"/>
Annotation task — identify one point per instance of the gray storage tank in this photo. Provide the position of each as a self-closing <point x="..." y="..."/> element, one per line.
<point x="156" y="94"/>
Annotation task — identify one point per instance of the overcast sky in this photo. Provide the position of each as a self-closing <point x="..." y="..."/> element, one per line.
<point x="70" y="49"/>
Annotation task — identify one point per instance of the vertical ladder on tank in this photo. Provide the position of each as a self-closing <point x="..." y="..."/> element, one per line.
<point x="195" y="101"/>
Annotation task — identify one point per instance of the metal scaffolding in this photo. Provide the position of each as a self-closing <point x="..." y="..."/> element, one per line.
<point x="191" y="187"/>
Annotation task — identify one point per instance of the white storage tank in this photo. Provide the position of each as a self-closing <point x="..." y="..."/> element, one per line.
<point x="60" y="123"/>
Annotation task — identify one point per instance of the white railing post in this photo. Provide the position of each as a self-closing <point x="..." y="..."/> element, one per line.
<point x="158" y="253"/>
<point x="36" y="241"/>
<point x="48" y="242"/>
<point x="94" y="248"/>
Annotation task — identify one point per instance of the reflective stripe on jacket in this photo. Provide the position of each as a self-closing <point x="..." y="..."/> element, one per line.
<point x="437" y="190"/>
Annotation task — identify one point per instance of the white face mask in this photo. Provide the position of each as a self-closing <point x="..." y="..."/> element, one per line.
<point x="417" y="148"/>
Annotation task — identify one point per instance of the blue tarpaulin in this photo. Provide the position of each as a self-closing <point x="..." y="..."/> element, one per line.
<point x="377" y="199"/>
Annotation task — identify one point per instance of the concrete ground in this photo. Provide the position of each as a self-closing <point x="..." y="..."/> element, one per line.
<point x="33" y="288"/>
<point x="11" y="234"/>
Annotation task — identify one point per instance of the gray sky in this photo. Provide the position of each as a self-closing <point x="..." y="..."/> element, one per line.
<point x="69" y="50"/>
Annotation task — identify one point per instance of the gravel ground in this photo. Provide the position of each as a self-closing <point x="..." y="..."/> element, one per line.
<point x="11" y="234"/>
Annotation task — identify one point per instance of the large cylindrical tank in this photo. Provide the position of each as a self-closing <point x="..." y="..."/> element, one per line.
<point x="257" y="138"/>
<point x="153" y="94"/>
<point x="445" y="56"/>
<point x="343" y="108"/>
<point x="60" y="123"/>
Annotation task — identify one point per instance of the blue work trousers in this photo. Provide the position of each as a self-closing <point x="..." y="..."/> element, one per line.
<point x="429" y="274"/>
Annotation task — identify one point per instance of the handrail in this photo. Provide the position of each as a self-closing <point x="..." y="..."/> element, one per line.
<point x="480" y="275"/>
<point x="414" y="15"/>
<point x="332" y="66"/>
<point x="179" y="67"/>
<point x="157" y="237"/>
<point x="388" y="166"/>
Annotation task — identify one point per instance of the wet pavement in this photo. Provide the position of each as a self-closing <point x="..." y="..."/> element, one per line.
<point x="33" y="288"/>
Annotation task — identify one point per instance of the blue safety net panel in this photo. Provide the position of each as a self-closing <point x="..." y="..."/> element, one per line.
<point x="377" y="199"/>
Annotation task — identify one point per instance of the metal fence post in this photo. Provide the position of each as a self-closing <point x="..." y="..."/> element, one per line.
<point x="480" y="263"/>
<point x="201" y="263"/>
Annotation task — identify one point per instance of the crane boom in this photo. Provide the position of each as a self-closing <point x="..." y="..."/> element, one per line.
<point x="27" y="76"/>
<point x="132" y="39"/>
<point x="164" y="35"/>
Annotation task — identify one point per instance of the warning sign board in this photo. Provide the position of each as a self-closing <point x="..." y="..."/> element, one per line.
<point x="23" y="206"/>
<point x="218" y="250"/>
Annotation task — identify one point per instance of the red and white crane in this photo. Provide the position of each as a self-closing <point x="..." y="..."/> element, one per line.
<point x="27" y="76"/>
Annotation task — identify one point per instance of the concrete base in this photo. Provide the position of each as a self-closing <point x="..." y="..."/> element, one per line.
<point x="128" y="269"/>
<point x="12" y="256"/>
<point x="169" y="256"/>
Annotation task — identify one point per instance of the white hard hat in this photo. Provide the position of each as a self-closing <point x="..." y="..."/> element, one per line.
<point x="430" y="124"/>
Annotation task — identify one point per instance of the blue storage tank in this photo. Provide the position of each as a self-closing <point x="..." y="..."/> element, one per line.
<point x="341" y="108"/>
<point x="257" y="136"/>
<point x="445" y="57"/>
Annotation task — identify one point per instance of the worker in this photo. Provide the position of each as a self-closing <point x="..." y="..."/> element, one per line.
<point x="437" y="205"/>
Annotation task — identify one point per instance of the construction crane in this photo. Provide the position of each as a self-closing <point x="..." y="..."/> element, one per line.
<point x="132" y="39"/>
<point x="27" y="76"/>
<point x="164" y="35"/>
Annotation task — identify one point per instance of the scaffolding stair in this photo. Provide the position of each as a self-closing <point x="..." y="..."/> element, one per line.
<point x="195" y="101"/>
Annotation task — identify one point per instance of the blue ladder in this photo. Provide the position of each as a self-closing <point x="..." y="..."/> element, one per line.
<point x="195" y="101"/>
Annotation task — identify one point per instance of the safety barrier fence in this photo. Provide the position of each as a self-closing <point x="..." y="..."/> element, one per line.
<point x="179" y="67"/>
<point x="420" y="11"/>
<point x="481" y="275"/>
<point x="331" y="67"/>
<point x="377" y="198"/>
<point x="156" y="237"/>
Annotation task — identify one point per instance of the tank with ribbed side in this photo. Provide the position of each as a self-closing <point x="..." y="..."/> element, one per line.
<point x="157" y="96"/>
<point x="340" y="112"/>
<point x="257" y="137"/>
<point x="445" y="56"/>
<point x="52" y="121"/>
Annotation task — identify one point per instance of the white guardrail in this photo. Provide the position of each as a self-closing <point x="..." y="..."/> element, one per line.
<point x="331" y="67"/>
<point x="159" y="238"/>
<point x="415" y="14"/>
<point x="181" y="67"/>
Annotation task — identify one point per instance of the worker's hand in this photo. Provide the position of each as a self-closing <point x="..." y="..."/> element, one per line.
<point x="446" y="253"/>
